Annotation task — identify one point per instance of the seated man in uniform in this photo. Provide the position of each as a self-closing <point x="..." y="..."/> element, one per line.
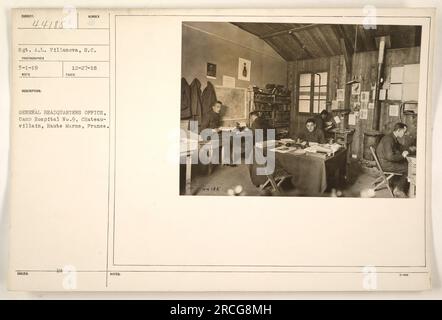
<point x="213" y="119"/>
<point x="392" y="157"/>
<point x="256" y="122"/>
<point x="311" y="133"/>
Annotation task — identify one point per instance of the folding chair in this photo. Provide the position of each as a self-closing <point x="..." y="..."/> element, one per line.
<point x="384" y="177"/>
<point x="275" y="181"/>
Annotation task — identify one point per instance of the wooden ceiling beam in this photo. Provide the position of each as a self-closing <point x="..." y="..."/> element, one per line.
<point x="302" y="46"/>
<point x="280" y="42"/>
<point x="339" y="34"/>
<point x="275" y="47"/>
<point x="325" y="42"/>
<point x="279" y="50"/>
<point x="288" y="31"/>
<point x="314" y="45"/>
<point x="299" y="52"/>
<point x="347" y="54"/>
<point x="349" y="35"/>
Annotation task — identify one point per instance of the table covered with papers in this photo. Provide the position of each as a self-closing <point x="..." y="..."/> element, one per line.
<point x="311" y="173"/>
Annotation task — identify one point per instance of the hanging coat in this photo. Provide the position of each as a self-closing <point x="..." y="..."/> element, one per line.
<point x="208" y="99"/>
<point x="186" y="111"/>
<point x="195" y="99"/>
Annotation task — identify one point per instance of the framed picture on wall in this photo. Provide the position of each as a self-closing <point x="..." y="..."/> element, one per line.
<point x="365" y="96"/>
<point x="211" y="70"/>
<point x="356" y="88"/>
<point x="244" y="69"/>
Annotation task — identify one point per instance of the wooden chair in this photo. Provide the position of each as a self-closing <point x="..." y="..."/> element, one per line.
<point x="384" y="177"/>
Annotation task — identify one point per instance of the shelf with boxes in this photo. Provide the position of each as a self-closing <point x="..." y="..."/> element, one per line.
<point x="274" y="107"/>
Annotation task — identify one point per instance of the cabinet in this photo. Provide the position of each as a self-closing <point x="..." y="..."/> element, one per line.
<point x="345" y="138"/>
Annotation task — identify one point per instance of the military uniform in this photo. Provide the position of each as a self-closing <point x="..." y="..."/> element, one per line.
<point x="389" y="152"/>
<point x="316" y="135"/>
<point x="211" y="121"/>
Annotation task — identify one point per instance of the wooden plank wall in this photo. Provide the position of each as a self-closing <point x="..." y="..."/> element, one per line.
<point x="365" y="65"/>
<point x="335" y="67"/>
<point x="364" y="69"/>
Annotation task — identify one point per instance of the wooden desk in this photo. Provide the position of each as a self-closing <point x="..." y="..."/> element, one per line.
<point x="187" y="150"/>
<point x="310" y="175"/>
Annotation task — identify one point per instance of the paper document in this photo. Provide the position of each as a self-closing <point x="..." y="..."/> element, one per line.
<point x="123" y="162"/>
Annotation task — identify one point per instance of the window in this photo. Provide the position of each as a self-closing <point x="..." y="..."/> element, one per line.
<point x="312" y="101"/>
<point x="305" y="83"/>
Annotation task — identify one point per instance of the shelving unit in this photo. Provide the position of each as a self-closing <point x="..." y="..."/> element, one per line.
<point x="273" y="108"/>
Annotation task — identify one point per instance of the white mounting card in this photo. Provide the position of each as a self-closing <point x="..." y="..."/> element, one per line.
<point x="94" y="195"/>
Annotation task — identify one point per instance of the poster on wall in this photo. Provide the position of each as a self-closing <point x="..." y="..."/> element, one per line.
<point x="395" y="92"/>
<point x="393" y="110"/>
<point x="211" y="70"/>
<point x="364" y="114"/>
<point x="382" y="94"/>
<point x="365" y="96"/>
<point x="244" y="69"/>
<point x="356" y="88"/>
<point x="352" y="119"/>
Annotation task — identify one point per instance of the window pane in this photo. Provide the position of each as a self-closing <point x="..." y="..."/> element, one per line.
<point x="304" y="93"/>
<point x="304" y="89"/>
<point x="323" y="76"/>
<point x="304" y="105"/>
<point x="317" y="91"/>
<point x="322" y="105"/>
<point x="315" y="106"/>
<point x="323" y="92"/>
<point x="317" y="79"/>
<point x="319" y="105"/>
<point x="305" y="79"/>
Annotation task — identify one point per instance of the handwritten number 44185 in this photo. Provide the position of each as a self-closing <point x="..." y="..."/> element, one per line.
<point x="48" y="24"/>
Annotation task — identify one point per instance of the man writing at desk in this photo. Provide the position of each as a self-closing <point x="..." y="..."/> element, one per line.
<point x="392" y="157"/>
<point x="312" y="133"/>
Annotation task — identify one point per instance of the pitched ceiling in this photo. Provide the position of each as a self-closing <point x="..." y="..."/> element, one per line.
<point x="306" y="41"/>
